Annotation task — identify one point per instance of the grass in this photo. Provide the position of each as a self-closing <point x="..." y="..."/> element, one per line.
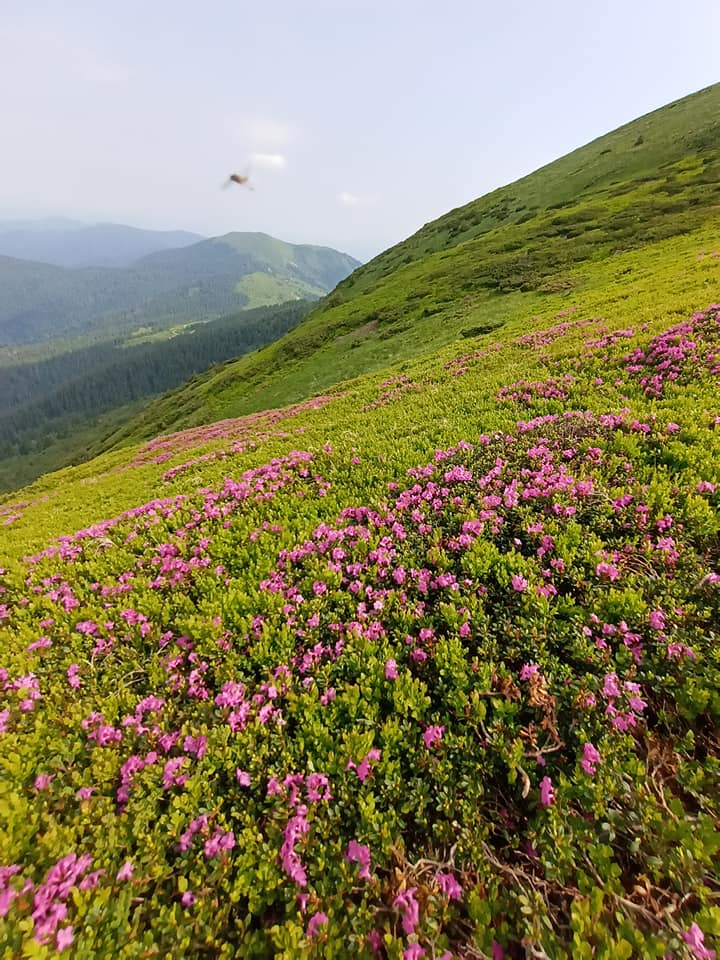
<point x="263" y="289"/>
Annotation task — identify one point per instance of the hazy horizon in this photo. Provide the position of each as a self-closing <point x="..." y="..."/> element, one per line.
<point x="355" y="126"/>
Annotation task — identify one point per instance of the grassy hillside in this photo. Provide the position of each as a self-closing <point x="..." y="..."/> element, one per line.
<point x="262" y="289"/>
<point x="457" y="277"/>
<point x="425" y="666"/>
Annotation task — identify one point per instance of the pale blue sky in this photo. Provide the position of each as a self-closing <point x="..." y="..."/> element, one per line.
<point x="359" y="121"/>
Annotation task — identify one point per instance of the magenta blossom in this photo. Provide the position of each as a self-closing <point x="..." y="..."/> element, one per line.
<point x="242" y="777"/>
<point x="413" y="952"/>
<point x="608" y="570"/>
<point x="317" y="920"/>
<point x="126" y="871"/>
<point x="657" y="620"/>
<point x="590" y="760"/>
<point x="519" y="583"/>
<point x="410" y="909"/>
<point x="64" y="938"/>
<point x="374" y="938"/>
<point x="449" y="886"/>
<point x="529" y="670"/>
<point x="391" y="669"/>
<point x="695" y="939"/>
<point x="433" y="735"/>
<point x="359" y="853"/>
<point x="547" y="792"/>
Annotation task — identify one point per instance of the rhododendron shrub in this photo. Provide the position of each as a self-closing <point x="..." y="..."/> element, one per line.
<point x="471" y="712"/>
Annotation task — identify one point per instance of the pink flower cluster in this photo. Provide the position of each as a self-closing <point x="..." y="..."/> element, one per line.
<point x="390" y="390"/>
<point x="543" y="338"/>
<point x="682" y="348"/>
<point x="526" y="392"/>
<point x="461" y="364"/>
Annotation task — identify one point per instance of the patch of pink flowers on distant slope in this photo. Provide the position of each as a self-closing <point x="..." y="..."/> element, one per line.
<point x="525" y="392"/>
<point x="678" y="351"/>
<point x="390" y="390"/>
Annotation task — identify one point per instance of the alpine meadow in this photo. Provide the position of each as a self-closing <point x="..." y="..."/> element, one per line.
<point x="399" y="636"/>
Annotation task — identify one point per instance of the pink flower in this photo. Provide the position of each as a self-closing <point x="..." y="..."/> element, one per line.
<point x="519" y="583"/>
<point x="196" y="746"/>
<point x="547" y="792"/>
<point x="316" y="921"/>
<point x="374" y="938"/>
<point x="318" y="788"/>
<point x="695" y="939"/>
<point x="497" y="951"/>
<point x="42" y="644"/>
<point x="43" y="780"/>
<point x="449" y="886"/>
<point x="433" y="735"/>
<point x="591" y="758"/>
<point x="607" y="570"/>
<point x="84" y="793"/>
<point x="359" y="853"/>
<point x="188" y="898"/>
<point x="410" y="909"/>
<point x="126" y="871"/>
<point x="242" y="777"/>
<point x="413" y="952"/>
<point x="657" y="620"/>
<point x="529" y="670"/>
<point x="391" y="669"/>
<point x="64" y="938"/>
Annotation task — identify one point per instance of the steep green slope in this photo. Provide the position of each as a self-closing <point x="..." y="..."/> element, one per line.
<point x="685" y="128"/>
<point x="654" y="178"/>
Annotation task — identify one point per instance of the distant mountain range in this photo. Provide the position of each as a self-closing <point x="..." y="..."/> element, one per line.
<point x="198" y="281"/>
<point x="67" y="243"/>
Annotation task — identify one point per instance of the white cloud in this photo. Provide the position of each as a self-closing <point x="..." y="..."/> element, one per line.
<point x="350" y="199"/>
<point x="269" y="161"/>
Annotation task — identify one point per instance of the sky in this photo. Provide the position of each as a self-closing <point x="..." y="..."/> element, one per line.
<point x="357" y="122"/>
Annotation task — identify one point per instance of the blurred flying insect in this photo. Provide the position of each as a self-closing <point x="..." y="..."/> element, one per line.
<point x="240" y="179"/>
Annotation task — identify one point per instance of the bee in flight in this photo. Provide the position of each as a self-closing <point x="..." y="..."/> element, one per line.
<point x="241" y="179"/>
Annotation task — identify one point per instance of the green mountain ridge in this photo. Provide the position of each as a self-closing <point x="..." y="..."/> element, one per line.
<point x="43" y="303"/>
